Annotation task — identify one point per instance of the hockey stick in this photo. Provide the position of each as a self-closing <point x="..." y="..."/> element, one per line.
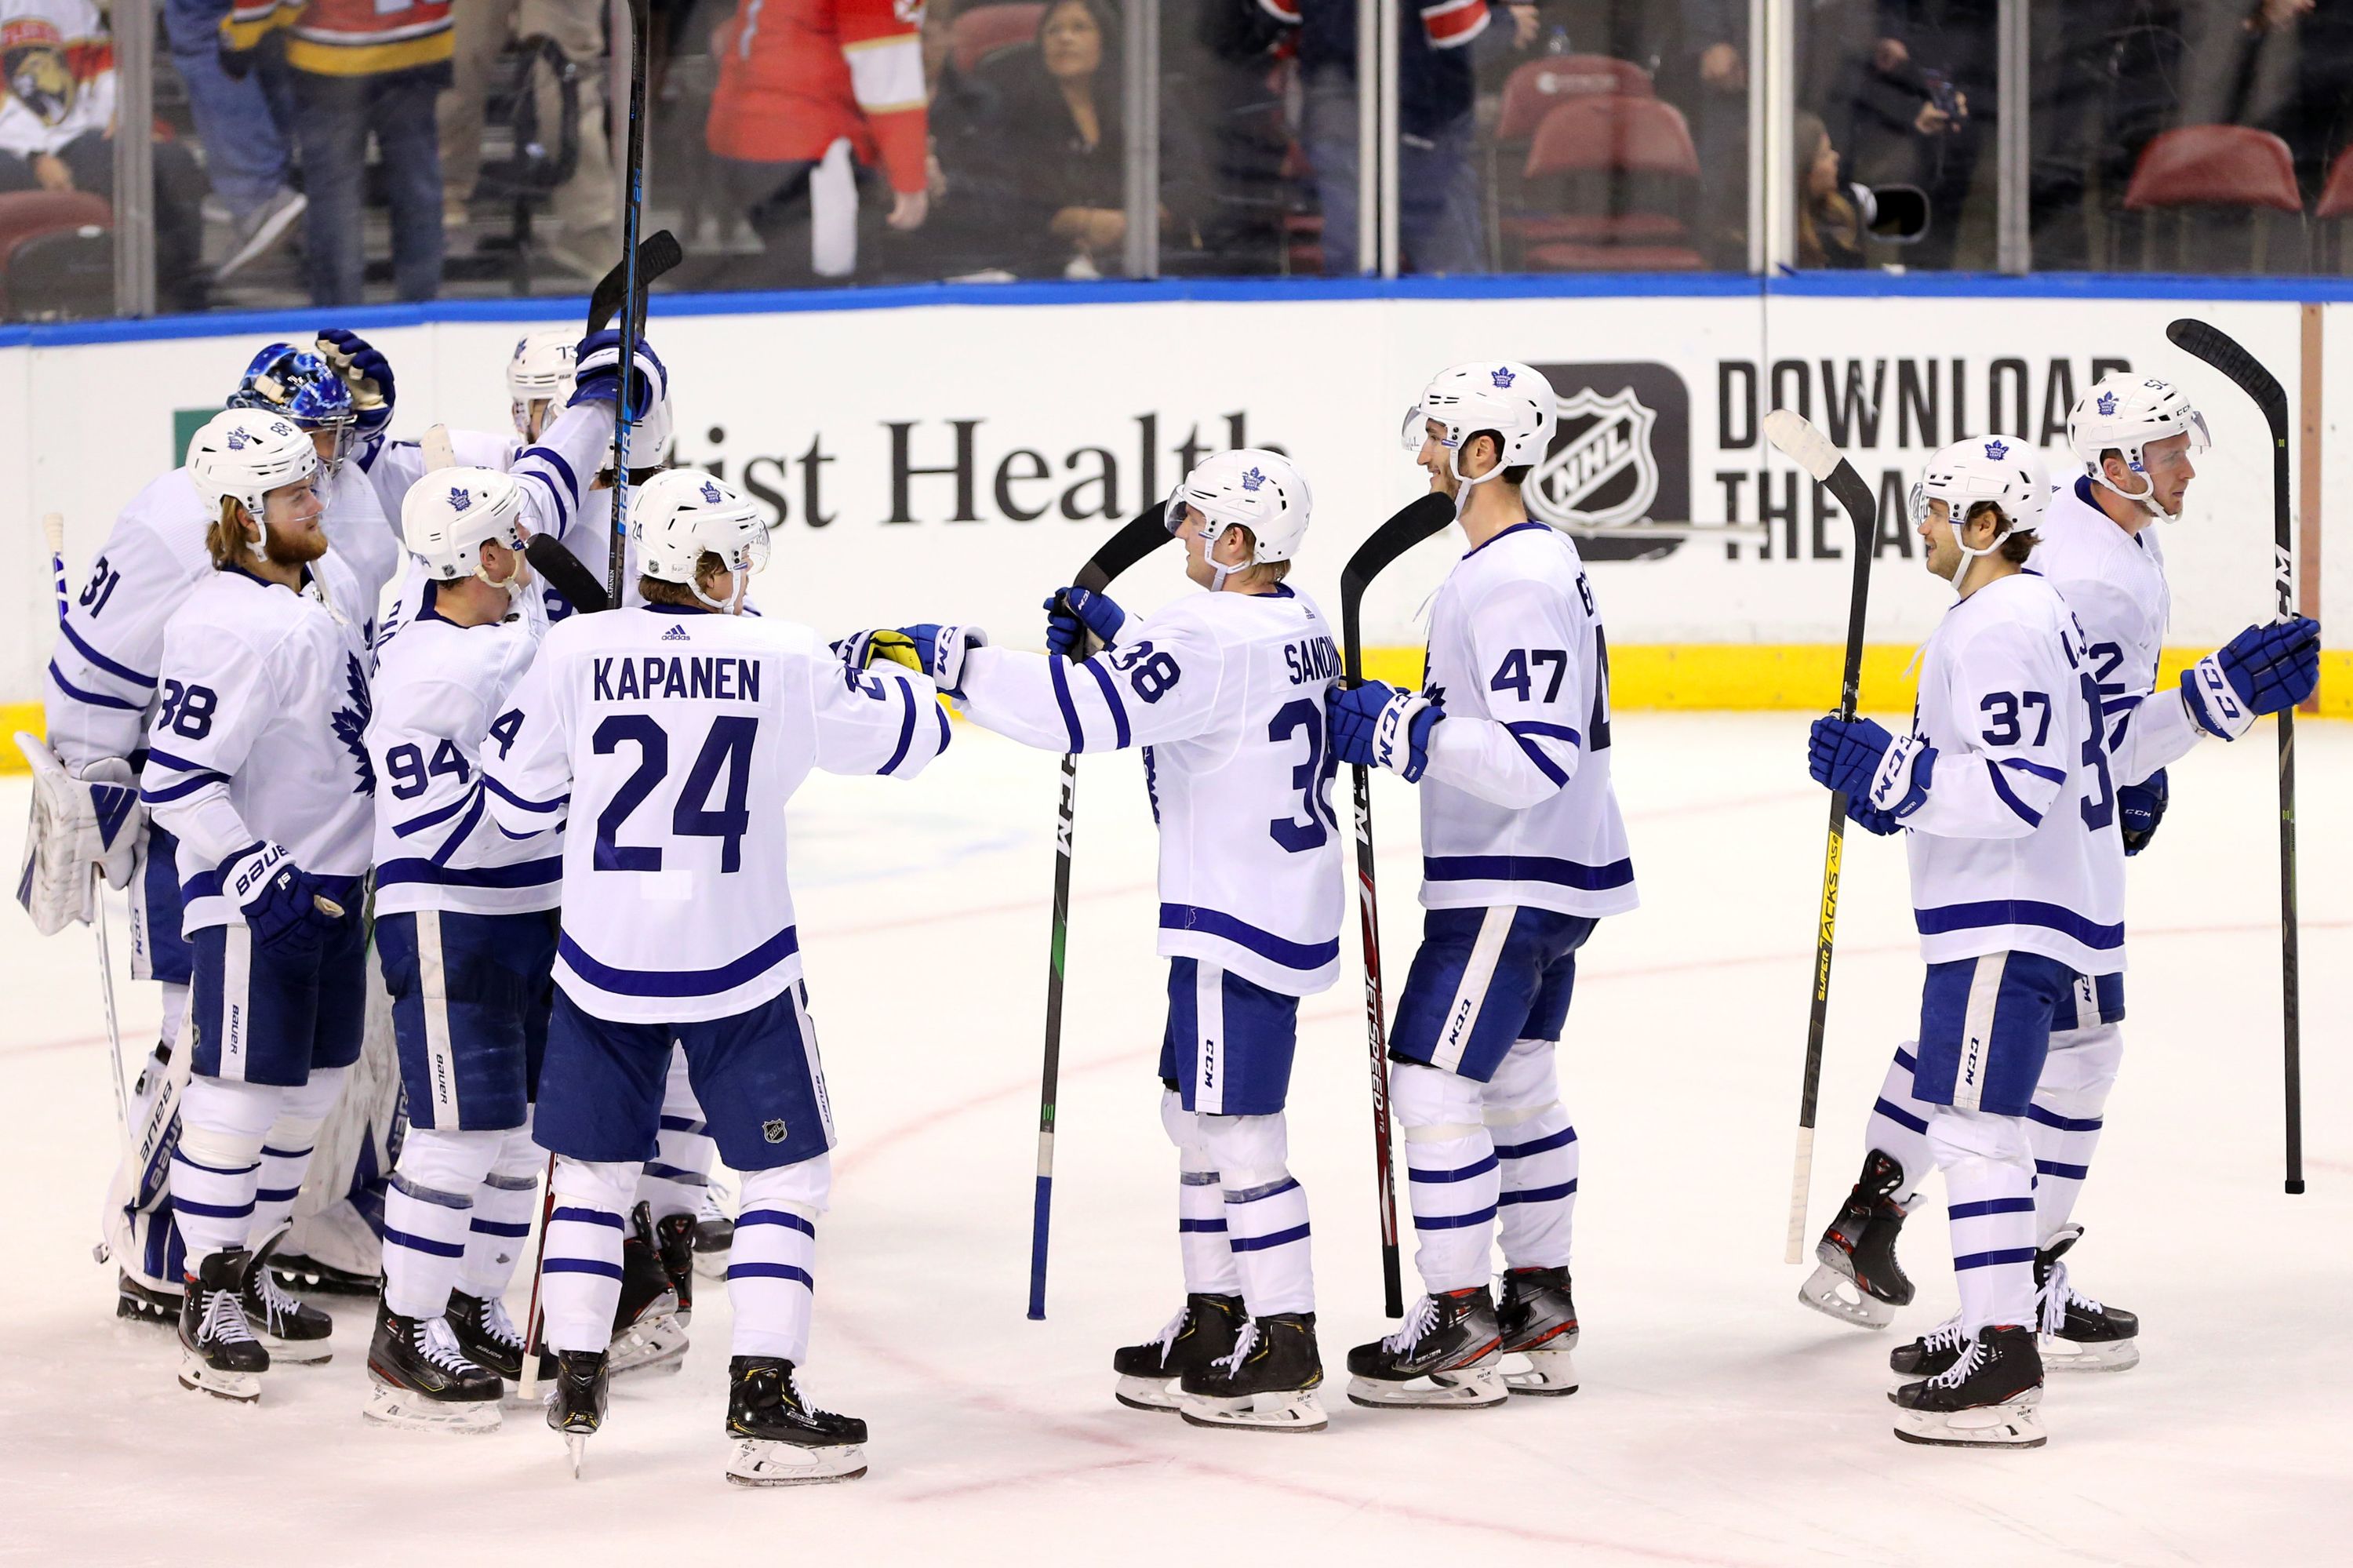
<point x="2222" y="351"/>
<point x="1146" y="531"/>
<point x="633" y="300"/>
<point x="565" y="573"/>
<point x="527" y="1385"/>
<point x="1812" y="451"/>
<point x="1393" y="538"/>
<point x="657" y="254"/>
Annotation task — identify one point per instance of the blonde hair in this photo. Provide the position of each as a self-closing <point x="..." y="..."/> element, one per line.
<point x="227" y="538"/>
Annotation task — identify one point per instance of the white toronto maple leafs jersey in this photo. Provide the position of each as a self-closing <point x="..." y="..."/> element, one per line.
<point x="1516" y="804"/>
<point x="1225" y="693"/>
<point x="102" y="683"/>
<point x="2114" y="582"/>
<point x="440" y="689"/>
<point x="2016" y="847"/>
<point x="672" y="738"/>
<point x="260" y="736"/>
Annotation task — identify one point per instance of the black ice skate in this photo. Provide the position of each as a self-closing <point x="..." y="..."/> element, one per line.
<point x="1858" y="1280"/>
<point x="1985" y="1399"/>
<point x="714" y="1236"/>
<point x="143" y="1304"/>
<point x="1267" y="1382"/>
<point x="483" y="1330"/>
<point x="2079" y="1334"/>
<point x="290" y="1331"/>
<point x="1203" y="1331"/>
<point x="577" y="1406"/>
<point x="218" y="1354"/>
<point x="1931" y="1353"/>
<point x="420" y="1378"/>
<point x="646" y="1333"/>
<point x="781" y="1439"/>
<point x="308" y="1277"/>
<point x="1537" y="1318"/>
<point x="674" y="1244"/>
<point x="1446" y="1355"/>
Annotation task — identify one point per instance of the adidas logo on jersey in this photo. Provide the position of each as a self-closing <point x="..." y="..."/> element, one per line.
<point x="676" y="634"/>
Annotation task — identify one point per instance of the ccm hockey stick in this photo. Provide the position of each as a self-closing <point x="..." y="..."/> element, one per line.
<point x="1812" y="450"/>
<point x="2222" y="351"/>
<point x="633" y="299"/>
<point x="1393" y="538"/>
<point x="1142" y="536"/>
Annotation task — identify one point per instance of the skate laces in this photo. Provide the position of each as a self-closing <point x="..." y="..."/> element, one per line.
<point x="1946" y="1336"/>
<point x="2057" y="1295"/>
<point x="498" y="1326"/>
<point x="274" y="1301"/>
<point x="1973" y="1356"/>
<point x="433" y="1341"/>
<point x="224" y="1320"/>
<point x="1244" y="1343"/>
<point x="1171" y="1329"/>
<point x="1419" y="1318"/>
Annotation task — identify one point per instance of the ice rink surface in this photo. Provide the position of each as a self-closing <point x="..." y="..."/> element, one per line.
<point x="1719" y="1421"/>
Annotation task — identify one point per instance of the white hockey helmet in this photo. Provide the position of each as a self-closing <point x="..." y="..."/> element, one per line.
<point x="1511" y="399"/>
<point x="1249" y="487"/>
<point x="682" y="513"/>
<point x="451" y="514"/>
<point x="2003" y="470"/>
<point x="2125" y="413"/>
<point x="243" y="454"/>
<point x="539" y="370"/>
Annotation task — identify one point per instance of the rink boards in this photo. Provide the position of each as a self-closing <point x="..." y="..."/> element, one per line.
<point x="956" y="453"/>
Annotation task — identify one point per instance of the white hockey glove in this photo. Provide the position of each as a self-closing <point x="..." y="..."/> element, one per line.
<point x="95" y="820"/>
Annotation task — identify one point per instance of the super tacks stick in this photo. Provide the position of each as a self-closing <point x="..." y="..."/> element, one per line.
<point x="2222" y="351"/>
<point x="1812" y="451"/>
<point x="1393" y="538"/>
<point x="1145" y="533"/>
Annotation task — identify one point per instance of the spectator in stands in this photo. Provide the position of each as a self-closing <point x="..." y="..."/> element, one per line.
<point x="57" y="131"/>
<point x="359" y="70"/>
<point x="2319" y="118"/>
<point x="1053" y="155"/>
<point x="1439" y="226"/>
<point x="2102" y="86"/>
<point x="244" y="123"/>
<point x="586" y="232"/>
<point x="809" y="90"/>
<point x="1903" y="86"/>
<point x="1707" y="77"/>
<point x="1830" y="230"/>
<point x="2238" y="61"/>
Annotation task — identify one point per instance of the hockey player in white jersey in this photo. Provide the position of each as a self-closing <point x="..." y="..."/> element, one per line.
<point x="465" y="932"/>
<point x="671" y="735"/>
<point x="1224" y="689"/>
<point x="256" y="764"/>
<point x="1523" y="852"/>
<point x="2006" y="789"/>
<point x="2136" y="438"/>
<point x="299" y="384"/>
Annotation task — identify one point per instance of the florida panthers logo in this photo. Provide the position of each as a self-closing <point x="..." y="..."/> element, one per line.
<point x="1997" y="451"/>
<point x="351" y="726"/>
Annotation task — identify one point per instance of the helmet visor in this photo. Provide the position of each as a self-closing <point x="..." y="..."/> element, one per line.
<point x="1414" y="430"/>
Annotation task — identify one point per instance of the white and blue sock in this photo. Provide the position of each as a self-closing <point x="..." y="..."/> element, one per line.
<point x="1266" y="1213"/>
<point x="216" y="1168"/>
<point x="1899" y="1125"/>
<point x="504" y="1206"/>
<point x="771" y="1272"/>
<point x="1451" y="1176"/>
<point x="1535" y="1158"/>
<point x="580" y="1283"/>
<point x="1202" y="1240"/>
<point x="2065" y="1120"/>
<point x="1989" y="1197"/>
<point x="286" y="1152"/>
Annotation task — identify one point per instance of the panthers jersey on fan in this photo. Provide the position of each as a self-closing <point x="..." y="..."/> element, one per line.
<point x="672" y="738"/>
<point x="260" y="731"/>
<point x="1516" y="804"/>
<point x="439" y="688"/>
<point x="2114" y="582"/>
<point x="1225" y="693"/>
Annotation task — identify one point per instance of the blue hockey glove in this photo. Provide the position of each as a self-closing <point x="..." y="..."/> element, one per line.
<point x="2261" y="671"/>
<point x="286" y="909"/>
<point x="1379" y="725"/>
<point x="1877" y="772"/>
<point x="1074" y="611"/>
<point x="596" y="374"/>
<point x="1879" y="824"/>
<point x="2139" y="808"/>
<point x="364" y="369"/>
<point x="927" y="649"/>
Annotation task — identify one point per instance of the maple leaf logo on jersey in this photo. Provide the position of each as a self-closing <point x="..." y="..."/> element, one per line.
<point x="238" y="441"/>
<point x="711" y="493"/>
<point x="1502" y="377"/>
<point x="1997" y="451"/>
<point x="350" y="725"/>
<point x="460" y="498"/>
<point x="2107" y="405"/>
<point x="1252" y="481"/>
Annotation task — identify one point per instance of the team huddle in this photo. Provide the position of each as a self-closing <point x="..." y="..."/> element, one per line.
<point x="356" y="719"/>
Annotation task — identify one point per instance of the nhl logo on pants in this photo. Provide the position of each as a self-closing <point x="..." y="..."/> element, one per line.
<point x="773" y="1130"/>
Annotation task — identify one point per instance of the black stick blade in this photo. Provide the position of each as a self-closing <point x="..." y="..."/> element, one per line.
<point x="565" y="573"/>
<point x="1407" y="527"/>
<point x="658" y="253"/>
<point x="1137" y="537"/>
<point x="2225" y="354"/>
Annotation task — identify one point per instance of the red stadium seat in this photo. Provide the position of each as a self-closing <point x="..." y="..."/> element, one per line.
<point x="2336" y="195"/>
<point x="980" y="32"/>
<point x="1609" y="154"/>
<point x="1532" y="90"/>
<point x="26" y="216"/>
<point x="2234" y="167"/>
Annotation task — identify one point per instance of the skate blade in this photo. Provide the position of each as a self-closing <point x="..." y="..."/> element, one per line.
<point x="1833" y="1295"/>
<point x="1148" y="1394"/>
<point x="1548" y="1372"/>
<point x="237" y="1388"/>
<point x="656" y="1345"/>
<point x="138" y="1309"/>
<point x="407" y="1410"/>
<point x="758" y="1462"/>
<point x="2011" y="1426"/>
<point x="1297" y="1411"/>
<point x="710" y="1265"/>
<point x="576" y="1446"/>
<point x="2101" y="1356"/>
<point x="1476" y="1388"/>
<point x="298" y="1353"/>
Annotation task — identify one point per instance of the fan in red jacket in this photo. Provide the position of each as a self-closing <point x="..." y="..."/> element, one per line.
<point x="805" y="86"/>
